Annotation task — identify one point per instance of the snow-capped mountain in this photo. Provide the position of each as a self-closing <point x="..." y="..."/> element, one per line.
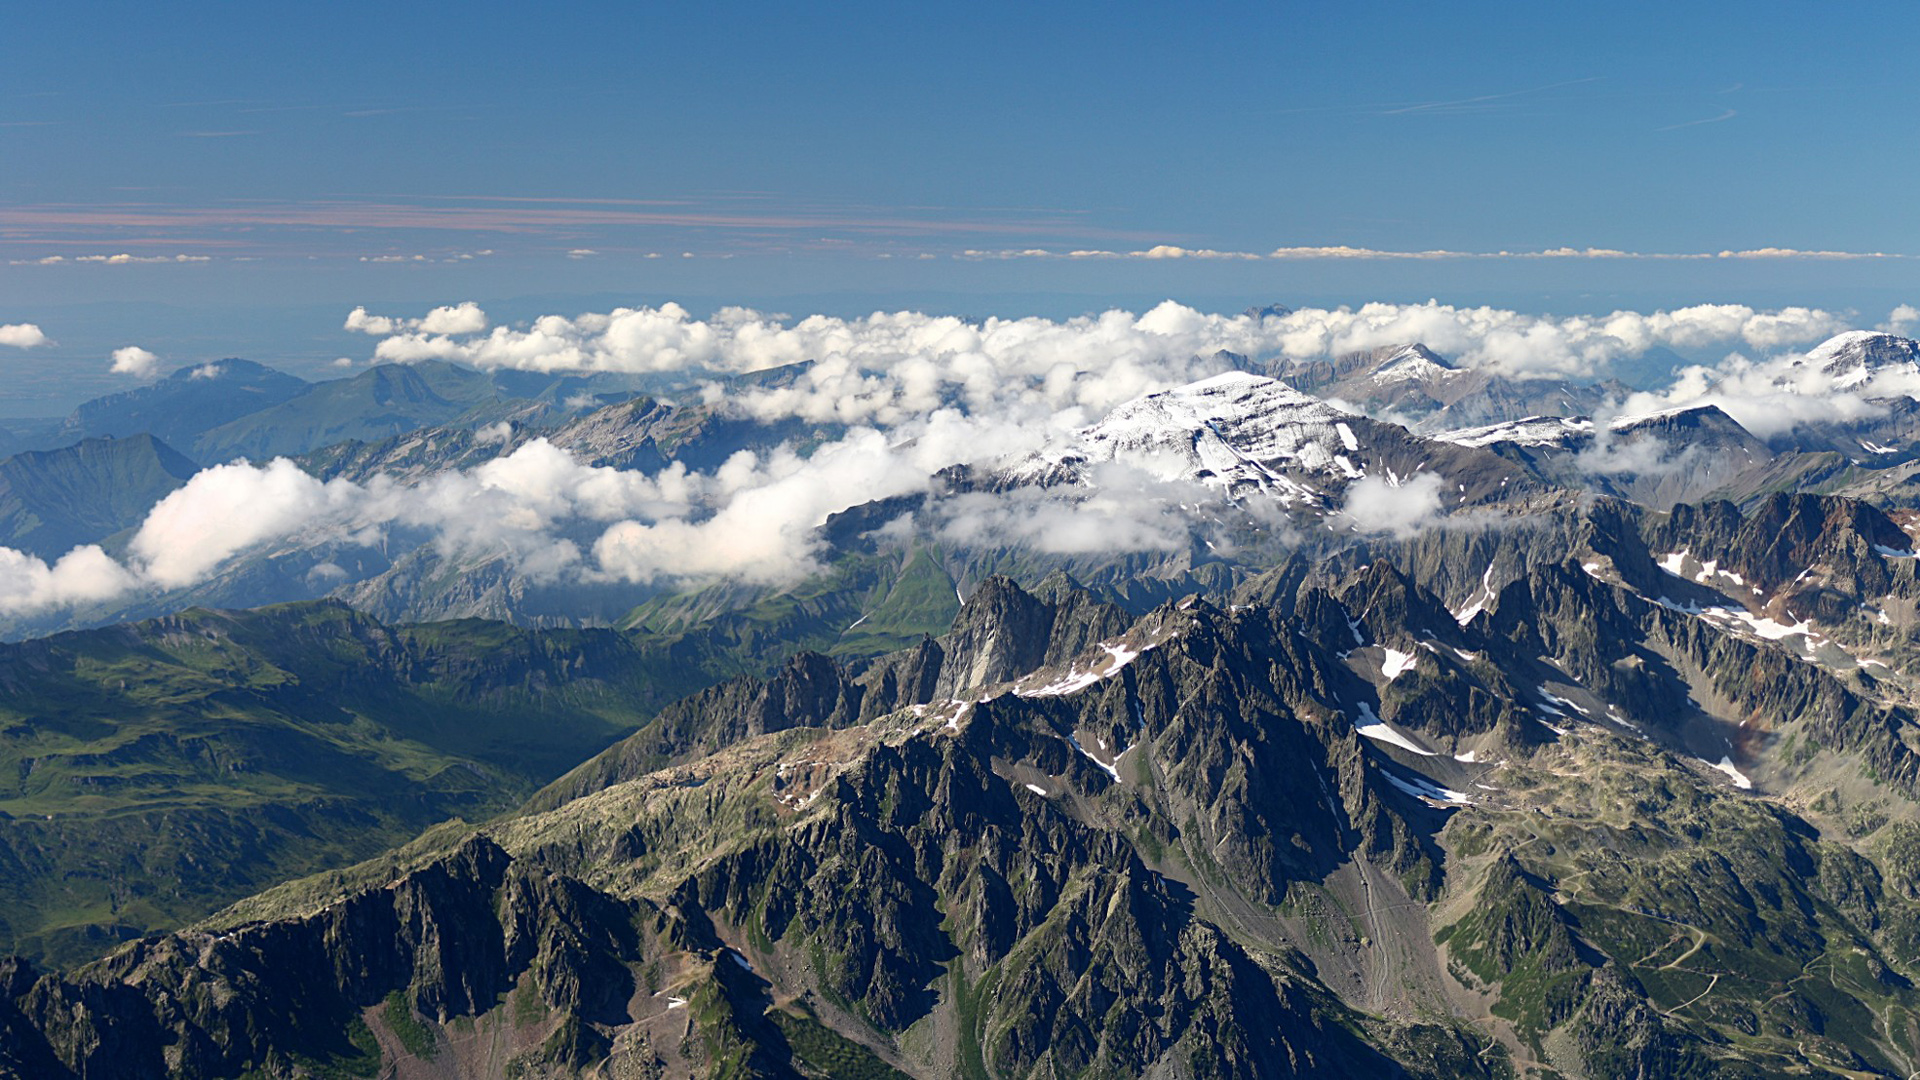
<point x="1414" y="382"/>
<point x="1415" y="364"/>
<point x="1247" y="434"/>
<point x="1235" y="431"/>
<point x="1654" y="458"/>
<point x="1563" y="432"/>
<point x="1859" y="356"/>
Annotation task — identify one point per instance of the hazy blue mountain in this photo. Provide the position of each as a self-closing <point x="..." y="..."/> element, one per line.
<point x="186" y="403"/>
<point x="382" y="401"/>
<point x="29" y="433"/>
<point x="52" y="500"/>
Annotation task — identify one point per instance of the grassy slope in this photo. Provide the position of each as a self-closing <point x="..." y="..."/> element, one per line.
<point x="155" y="771"/>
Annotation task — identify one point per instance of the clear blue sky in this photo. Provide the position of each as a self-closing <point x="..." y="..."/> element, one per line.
<point x="818" y="152"/>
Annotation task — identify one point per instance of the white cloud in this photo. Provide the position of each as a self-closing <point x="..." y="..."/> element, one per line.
<point x="121" y="259"/>
<point x="135" y="361"/>
<point x="1376" y="504"/>
<point x="124" y="259"/>
<point x="462" y="318"/>
<point x="377" y="325"/>
<point x="914" y="394"/>
<point x="1775" y="394"/>
<point x="22" y="336"/>
<point x="887" y="363"/>
<point x="521" y="506"/>
<point x="1303" y="252"/>
<point x="1901" y="320"/>
<point x="1123" y="509"/>
<point x="1647" y="456"/>
<point x="83" y="575"/>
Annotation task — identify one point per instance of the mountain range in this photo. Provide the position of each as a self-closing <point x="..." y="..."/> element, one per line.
<point x="1392" y="719"/>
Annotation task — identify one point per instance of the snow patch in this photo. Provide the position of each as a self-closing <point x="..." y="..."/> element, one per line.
<point x="1479" y="602"/>
<point x="1739" y="778"/>
<point x="1373" y="727"/>
<point x="1396" y="663"/>
<point x="1422" y="788"/>
<point x="1111" y="771"/>
<point x="1119" y="656"/>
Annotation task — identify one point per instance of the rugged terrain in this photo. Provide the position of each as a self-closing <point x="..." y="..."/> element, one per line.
<point x="1606" y="765"/>
<point x="1328" y="825"/>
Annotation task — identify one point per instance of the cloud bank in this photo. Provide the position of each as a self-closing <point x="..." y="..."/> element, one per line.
<point x="899" y="397"/>
<point x="889" y="365"/>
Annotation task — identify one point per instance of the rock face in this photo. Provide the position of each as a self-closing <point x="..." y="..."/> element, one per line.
<point x="1365" y="819"/>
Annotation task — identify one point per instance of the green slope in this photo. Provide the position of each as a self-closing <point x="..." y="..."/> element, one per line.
<point x="52" y="500"/>
<point x="861" y="605"/>
<point x="379" y="402"/>
<point x="157" y="770"/>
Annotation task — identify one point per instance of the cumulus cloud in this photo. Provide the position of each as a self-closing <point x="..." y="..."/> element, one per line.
<point x="83" y="575"/>
<point x="462" y="318"/>
<point x="1772" y="395"/>
<point x="22" y="336"/>
<point x="135" y="361"/>
<point x="538" y="508"/>
<point x="465" y="317"/>
<point x="1401" y="507"/>
<point x="1902" y="320"/>
<point x="911" y="394"/>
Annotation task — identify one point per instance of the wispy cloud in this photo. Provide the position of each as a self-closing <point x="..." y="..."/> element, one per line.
<point x="1480" y="100"/>
<point x="1727" y="115"/>
<point x="526" y="216"/>
<point x="1158" y="251"/>
<point x="1342" y="251"/>
<point x="121" y="259"/>
<point x="444" y="257"/>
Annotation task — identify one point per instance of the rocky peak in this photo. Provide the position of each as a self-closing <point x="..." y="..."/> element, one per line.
<point x="1001" y="633"/>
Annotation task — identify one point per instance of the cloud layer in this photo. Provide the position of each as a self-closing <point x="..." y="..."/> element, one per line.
<point x="901" y="397"/>
<point x="906" y="362"/>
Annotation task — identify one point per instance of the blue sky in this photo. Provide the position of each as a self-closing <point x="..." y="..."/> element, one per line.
<point x="289" y="159"/>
